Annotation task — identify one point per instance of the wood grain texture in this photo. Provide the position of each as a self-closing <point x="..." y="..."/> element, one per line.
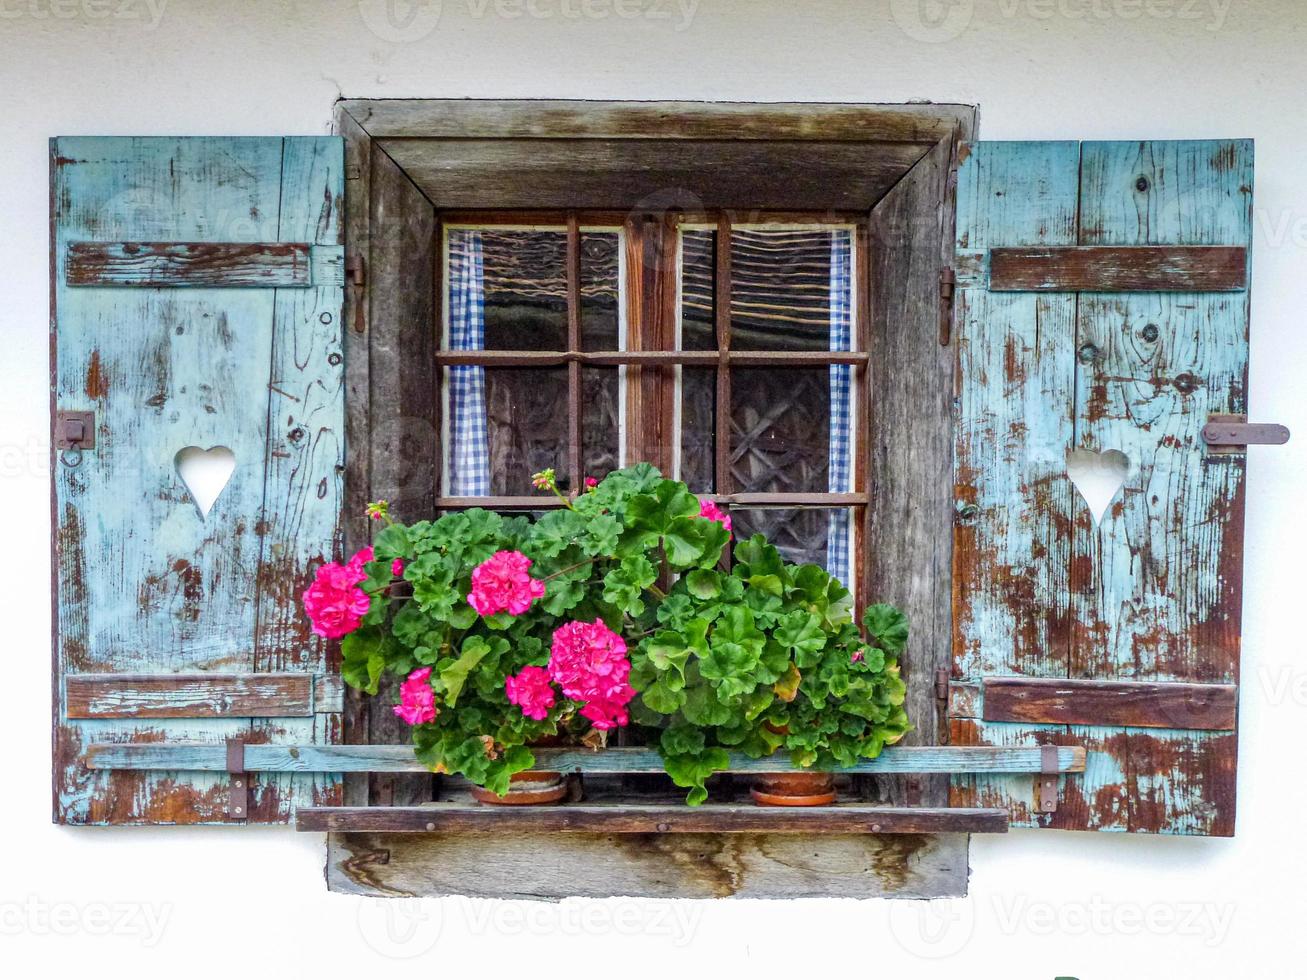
<point x="910" y="436"/>
<point x="652" y="865"/>
<point x="400" y="759"/>
<point x="155" y="264"/>
<point x="1114" y="269"/>
<point x="403" y="394"/>
<point x="1015" y="356"/>
<point x="143" y="583"/>
<point x="560" y="119"/>
<point x="358" y="460"/>
<point x="636" y="818"/>
<point x="1206" y="707"/>
<point x="1151" y="594"/>
<point x="189" y="695"/>
<point x="619" y="174"/>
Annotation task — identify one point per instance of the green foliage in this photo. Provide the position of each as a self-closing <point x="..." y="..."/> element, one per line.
<point x="761" y="658"/>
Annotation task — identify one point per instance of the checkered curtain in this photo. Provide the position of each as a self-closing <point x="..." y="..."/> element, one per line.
<point x="841" y="394"/>
<point x="469" y="453"/>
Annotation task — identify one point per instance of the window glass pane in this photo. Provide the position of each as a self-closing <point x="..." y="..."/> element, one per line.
<point x="791" y="289"/>
<point x="526" y="425"/>
<point x="525" y="288"/>
<point x="698" y="400"/>
<point x="810" y="535"/>
<point x="600" y="290"/>
<point x="784" y="423"/>
<point x="601" y="414"/>
<point x="698" y="251"/>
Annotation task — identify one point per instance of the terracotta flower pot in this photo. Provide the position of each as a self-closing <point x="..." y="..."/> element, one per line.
<point x="533" y="787"/>
<point x="799" y="788"/>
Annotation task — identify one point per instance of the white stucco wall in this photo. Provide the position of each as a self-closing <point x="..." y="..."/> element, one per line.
<point x="215" y="902"/>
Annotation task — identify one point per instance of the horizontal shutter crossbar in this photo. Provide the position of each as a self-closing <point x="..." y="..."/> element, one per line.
<point x="205" y="757"/>
<point x="624" y="818"/>
<point x="201" y="695"/>
<point x="1130" y="704"/>
<point x="214" y="264"/>
<point x="1125" y="268"/>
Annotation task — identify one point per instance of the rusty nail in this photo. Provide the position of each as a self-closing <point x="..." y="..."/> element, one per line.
<point x="1149" y="333"/>
<point x="968" y="512"/>
<point x="1186" y="383"/>
<point x="1087" y="353"/>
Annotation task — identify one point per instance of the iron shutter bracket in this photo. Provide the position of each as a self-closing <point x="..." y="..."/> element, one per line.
<point x="73" y="432"/>
<point x="238" y="794"/>
<point x="1047" y="781"/>
<point x="1234" y="433"/>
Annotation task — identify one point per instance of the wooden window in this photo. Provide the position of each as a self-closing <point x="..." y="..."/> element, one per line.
<point x="749" y="385"/>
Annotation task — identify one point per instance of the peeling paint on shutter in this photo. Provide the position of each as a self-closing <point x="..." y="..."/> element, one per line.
<point x="200" y="326"/>
<point x="1139" y="613"/>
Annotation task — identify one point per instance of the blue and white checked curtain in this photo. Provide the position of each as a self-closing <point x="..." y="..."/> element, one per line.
<point x="841" y="394"/>
<point x="469" y="454"/>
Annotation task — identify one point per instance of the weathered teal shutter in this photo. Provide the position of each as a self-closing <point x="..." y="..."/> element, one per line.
<point x="196" y="302"/>
<point x="1102" y="307"/>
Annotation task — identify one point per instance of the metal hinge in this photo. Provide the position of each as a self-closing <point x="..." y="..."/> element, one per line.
<point x="941" y="683"/>
<point x="948" y="280"/>
<point x="1234" y="433"/>
<point x="354" y="269"/>
<point x="1047" y="781"/>
<point x="238" y="792"/>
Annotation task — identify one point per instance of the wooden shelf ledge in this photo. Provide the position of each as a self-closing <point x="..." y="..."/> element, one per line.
<point x="627" y="818"/>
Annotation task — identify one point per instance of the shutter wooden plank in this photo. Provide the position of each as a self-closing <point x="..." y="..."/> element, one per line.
<point x="1015" y="359"/>
<point x="304" y="462"/>
<point x="189" y="695"/>
<point x="225" y="264"/>
<point x="1156" y="589"/>
<point x="1107" y="268"/>
<point x="144" y="584"/>
<point x="1152" y="592"/>
<point x="1209" y="707"/>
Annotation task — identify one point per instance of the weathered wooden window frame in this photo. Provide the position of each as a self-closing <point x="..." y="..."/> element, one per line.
<point x="410" y="162"/>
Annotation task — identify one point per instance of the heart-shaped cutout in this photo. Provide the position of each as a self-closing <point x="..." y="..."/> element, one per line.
<point x="1098" y="476"/>
<point x="205" y="473"/>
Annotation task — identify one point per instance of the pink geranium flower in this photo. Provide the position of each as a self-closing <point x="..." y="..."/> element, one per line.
<point x="503" y="582"/>
<point x="712" y="512"/>
<point x="531" y="690"/>
<point x="417" y="702"/>
<point x="589" y="662"/>
<point x="397" y="567"/>
<point x="334" y="603"/>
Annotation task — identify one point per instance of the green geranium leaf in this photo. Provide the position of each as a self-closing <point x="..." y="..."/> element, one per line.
<point x="703" y="583"/>
<point x="888" y="626"/>
<point x="453" y="677"/>
<point x="661" y="698"/>
<point x="362" y="659"/>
